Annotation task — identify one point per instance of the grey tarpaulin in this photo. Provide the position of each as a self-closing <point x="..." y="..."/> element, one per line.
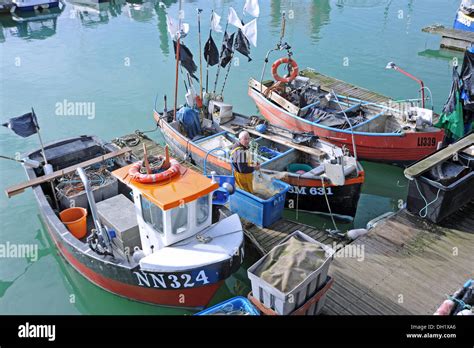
<point x="290" y="263"/>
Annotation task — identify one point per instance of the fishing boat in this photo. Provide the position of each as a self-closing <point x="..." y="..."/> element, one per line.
<point x="465" y="16"/>
<point x="33" y="5"/>
<point x="146" y="236"/>
<point x="317" y="174"/>
<point x="389" y="132"/>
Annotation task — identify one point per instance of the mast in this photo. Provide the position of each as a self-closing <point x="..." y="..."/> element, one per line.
<point x="178" y="48"/>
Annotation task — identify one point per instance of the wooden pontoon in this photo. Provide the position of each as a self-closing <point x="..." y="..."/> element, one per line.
<point x="453" y="39"/>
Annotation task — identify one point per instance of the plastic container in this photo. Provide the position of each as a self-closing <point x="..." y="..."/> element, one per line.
<point x="313" y="306"/>
<point x="235" y="306"/>
<point x="262" y="213"/>
<point x="286" y="303"/>
<point x="296" y="167"/>
<point x="75" y="220"/>
<point x="434" y="201"/>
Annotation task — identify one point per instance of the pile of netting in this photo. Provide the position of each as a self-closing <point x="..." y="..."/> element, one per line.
<point x="70" y="185"/>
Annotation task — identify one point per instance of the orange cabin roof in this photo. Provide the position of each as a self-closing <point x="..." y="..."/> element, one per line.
<point x="167" y="195"/>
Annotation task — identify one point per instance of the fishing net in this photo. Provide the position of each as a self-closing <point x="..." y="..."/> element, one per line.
<point x="71" y="184"/>
<point x="290" y="263"/>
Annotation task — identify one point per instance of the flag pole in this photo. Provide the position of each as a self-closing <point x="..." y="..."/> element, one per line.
<point x="219" y="67"/>
<point x="200" y="52"/>
<point x="45" y="159"/>
<point x="227" y="73"/>
<point x="39" y="136"/>
<point x="207" y="61"/>
<point x="178" y="48"/>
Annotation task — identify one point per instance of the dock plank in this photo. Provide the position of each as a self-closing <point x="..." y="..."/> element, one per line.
<point x="328" y="83"/>
<point x="409" y="266"/>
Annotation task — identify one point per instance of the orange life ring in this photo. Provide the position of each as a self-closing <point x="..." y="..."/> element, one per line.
<point x="168" y="174"/>
<point x="294" y="71"/>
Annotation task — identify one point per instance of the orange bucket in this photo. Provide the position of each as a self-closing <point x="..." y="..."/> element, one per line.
<point x="75" y="220"/>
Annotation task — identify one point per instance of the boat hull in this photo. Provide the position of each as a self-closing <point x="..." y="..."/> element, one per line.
<point x="190" y="288"/>
<point x="305" y="194"/>
<point x="377" y="147"/>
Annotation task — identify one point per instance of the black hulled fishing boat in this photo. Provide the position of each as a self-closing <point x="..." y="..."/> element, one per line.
<point x="145" y="235"/>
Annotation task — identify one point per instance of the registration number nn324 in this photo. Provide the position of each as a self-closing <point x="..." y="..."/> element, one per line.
<point x="171" y="281"/>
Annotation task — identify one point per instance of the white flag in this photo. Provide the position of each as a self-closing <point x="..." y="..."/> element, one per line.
<point x="215" y="23"/>
<point x="252" y="8"/>
<point x="250" y="31"/>
<point x="234" y="19"/>
<point x="173" y="27"/>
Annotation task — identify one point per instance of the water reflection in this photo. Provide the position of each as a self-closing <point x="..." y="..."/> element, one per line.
<point x="141" y="11"/>
<point x="319" y="11"/>
<point x="360" y="3"/>
<point x="91" y="13"/>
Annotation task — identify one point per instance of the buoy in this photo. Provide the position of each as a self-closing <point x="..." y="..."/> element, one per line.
<point x="138" y="254"/>
<point x="354" y="234"/>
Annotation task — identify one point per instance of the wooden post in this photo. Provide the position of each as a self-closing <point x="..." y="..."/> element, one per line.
<point x="145" y="160"/>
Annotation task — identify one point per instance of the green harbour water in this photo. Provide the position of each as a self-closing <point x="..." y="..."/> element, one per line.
<point x="118" y="56"/>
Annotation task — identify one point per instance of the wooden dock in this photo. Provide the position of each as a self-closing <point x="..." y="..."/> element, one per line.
<point x="452" y="39"/>
<point x="409" y="266"/>
<point x="329" y="83"/>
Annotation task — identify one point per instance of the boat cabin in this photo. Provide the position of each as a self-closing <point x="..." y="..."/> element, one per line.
<point x="170" y="212"/>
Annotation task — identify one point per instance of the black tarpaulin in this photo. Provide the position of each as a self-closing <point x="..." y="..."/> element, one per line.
<point x="467" y="79"/>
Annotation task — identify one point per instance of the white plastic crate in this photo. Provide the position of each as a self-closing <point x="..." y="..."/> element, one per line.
<point x="286" y="303"/>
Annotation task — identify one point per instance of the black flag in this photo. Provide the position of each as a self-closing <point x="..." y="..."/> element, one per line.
<point x="242" y="44"/>
<point x="227" y="49"/>
<point x="23" y="126"/>
<point x="211" y="53"/>
<point x="186" y="59"/>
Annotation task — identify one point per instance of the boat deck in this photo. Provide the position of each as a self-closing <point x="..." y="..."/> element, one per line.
<point x="408" y="263"/>
<point x="409" y="266"/>
<point x="453" y="39"/>
<point x="344" y="88"/>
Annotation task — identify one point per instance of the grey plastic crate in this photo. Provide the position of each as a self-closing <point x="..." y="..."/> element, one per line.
<point x="285" y="303"/>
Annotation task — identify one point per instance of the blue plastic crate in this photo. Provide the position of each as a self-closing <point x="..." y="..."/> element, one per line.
<point x="232" y="307"/>
<point x="262" y="213"/>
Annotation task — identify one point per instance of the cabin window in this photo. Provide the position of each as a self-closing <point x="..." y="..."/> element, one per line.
<point x="202" y="210"/>
<point x="179" y="219"/>
<point x="152" y="214"/>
